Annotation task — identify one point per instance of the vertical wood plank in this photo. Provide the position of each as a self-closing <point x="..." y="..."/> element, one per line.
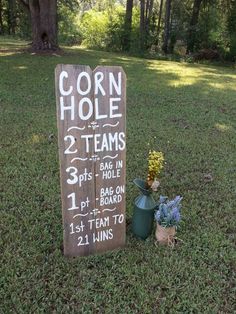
<point x="111" y="169"/>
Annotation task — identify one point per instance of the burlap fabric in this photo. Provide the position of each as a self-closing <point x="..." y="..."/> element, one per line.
<point x="165" y="235"/>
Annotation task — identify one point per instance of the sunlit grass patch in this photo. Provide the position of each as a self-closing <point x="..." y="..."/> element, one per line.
<point x="223" y="127"/>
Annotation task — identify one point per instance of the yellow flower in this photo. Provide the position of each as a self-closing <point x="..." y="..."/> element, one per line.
<point x="155" y="164"/>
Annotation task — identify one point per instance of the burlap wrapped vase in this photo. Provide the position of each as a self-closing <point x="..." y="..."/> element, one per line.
<point x="164" y="235"/>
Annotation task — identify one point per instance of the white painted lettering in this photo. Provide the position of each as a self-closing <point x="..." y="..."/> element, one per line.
<point x="82" y="114"/>
<point x="96" y="142"/>
<point x="102" y="235"/>
<point x="122" y="141"/>
<point x="70" y="108"/>
<point x="98" y="78"/>
<point x="88" y="78"/>
<point x="118" y="218"/>
<point x="87" y="137"/>
<point x="63" y="92"/>
<point x="97" y="115"/>
<point x="110" y="200"/>
<point x="71" y="139"/>
<point x="106" y="191"/>
<point x="99" y="223"/>
<point x="114" y="84"/>
<point x="114" y="108"/>
<point x="120" y="189"/>
<point x="111" y="174"/>
<point x="106" y="166"/>
<point x="113" y="139"/>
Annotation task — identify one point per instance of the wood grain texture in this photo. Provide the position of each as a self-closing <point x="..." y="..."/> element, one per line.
<point x="92" y="172"/>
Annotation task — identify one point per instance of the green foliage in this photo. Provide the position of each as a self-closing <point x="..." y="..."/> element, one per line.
<point x="100" y="24"/>
<point x="115" y="29"/>
<point x="105" y="29"/>
<point x="232" y="30"/>
<point x="69" y="32"/>
<point x="20" y="20"/>
<point x="185" y="110"/>
<point x="135" y="34"/>
<point x="93" y="26"/>
<point x="23" y="28"/>
<point x="212" y="31"/>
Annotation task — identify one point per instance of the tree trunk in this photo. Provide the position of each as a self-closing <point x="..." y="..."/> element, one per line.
<point x="11" y="17"/>
<point x="146" y="7"/>
<point x="167" y="27"/>
<point x="1" y="18"/>
<point x="149" y="8"/>
<point x="127" y="25"/>
<point x="142" y="25"/>
<point x="192" y="27"/>
<point x="43" y="15"/>
<point x="231" y="25"/>
<point x="159" y="21"/>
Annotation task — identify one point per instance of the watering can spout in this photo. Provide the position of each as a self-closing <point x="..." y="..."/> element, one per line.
<point x="143" y="186"/>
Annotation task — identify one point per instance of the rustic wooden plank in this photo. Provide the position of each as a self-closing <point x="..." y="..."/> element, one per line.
<point x="110" y="184"/>
<point x="91" y="130"/>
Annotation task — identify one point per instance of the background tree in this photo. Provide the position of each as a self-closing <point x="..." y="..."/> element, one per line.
<point x="146" y="8"/>
<point x="159" y="21"/>
<point x="167" y="27"/>
<point x="127" y="26"/>
<point x="43" y="14"/>
<point x="232" y="29"/>
<point x="11" y="16"/>
<point x="1" y="17"/>
<point x="193" y="25"/>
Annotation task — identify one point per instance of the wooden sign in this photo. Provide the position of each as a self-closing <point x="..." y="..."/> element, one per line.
<point x="92" y="148"/>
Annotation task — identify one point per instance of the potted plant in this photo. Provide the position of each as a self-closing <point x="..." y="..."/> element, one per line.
<point x="167" y="217"/>
<point x="144" y="205"/>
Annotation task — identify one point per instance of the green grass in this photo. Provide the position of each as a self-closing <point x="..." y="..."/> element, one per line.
<point x="186" y="111"/>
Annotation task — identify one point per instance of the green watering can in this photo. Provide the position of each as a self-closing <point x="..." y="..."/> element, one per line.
<point x="143" y="215"/>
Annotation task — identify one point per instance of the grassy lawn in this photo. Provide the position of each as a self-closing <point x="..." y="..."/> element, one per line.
<point x="188" y="111"/>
